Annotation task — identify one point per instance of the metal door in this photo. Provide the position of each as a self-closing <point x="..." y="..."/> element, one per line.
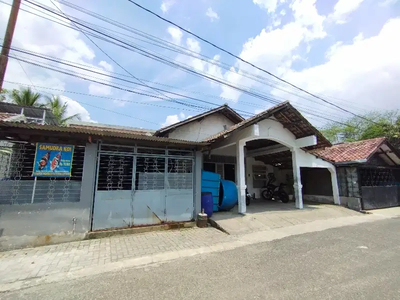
<point x="179" y="190"/>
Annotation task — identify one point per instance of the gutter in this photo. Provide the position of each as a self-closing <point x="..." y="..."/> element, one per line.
<point x="359" y="161"/>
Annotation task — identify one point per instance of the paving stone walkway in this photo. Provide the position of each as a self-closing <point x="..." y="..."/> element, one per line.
<point x="30" y="263"/>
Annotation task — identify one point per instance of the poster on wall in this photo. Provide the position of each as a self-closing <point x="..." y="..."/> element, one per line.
<point x="53" y="160"/>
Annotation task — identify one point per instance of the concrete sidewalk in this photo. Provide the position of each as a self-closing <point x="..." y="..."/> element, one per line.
<point x="27" y="267"/>
<point x="265" y="215"/>
<point x="22" y="264"/>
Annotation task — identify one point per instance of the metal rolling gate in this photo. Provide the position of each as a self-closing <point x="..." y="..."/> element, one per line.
<point x="142" y="186"/>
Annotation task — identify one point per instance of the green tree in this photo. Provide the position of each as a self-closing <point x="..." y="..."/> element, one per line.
<point x="25" y="97"/>
<point x="385" y="124"/>
<point x="59" y="110"/>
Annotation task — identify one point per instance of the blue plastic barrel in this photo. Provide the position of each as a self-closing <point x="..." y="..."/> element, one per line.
<point x="210" y="182"/>
<point x="228" y="195"/>
<point x="207" y="203"/>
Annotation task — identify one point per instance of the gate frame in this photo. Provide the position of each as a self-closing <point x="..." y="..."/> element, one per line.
<point x="134" y="154"/>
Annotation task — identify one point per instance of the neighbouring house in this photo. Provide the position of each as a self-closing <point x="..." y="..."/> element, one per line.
<point x="122" y="177"/>
<point x="27" y="114"/>
<point x="368" y="173"/>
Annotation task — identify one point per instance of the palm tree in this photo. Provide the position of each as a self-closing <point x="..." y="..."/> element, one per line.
<point x="25" y="97"/>
<point x="59" y="110"/>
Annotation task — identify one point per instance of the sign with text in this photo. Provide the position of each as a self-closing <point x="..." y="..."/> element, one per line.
<point x="53" y="160"/>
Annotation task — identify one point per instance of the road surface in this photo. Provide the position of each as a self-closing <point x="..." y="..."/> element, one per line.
<point x="354" y="262"/>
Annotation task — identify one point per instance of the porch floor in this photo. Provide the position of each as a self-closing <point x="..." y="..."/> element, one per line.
<point x="268" y="215"/>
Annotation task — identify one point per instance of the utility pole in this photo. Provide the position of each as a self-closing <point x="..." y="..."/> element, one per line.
<point x="12" y="20"/>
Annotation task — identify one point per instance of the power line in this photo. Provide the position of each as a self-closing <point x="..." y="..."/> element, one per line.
<point x="250" y="114"/>
<point x="147" y="54"/>
<point x="125" y="80"/>
<point x="141" y="33"/>
<point x="101" y="97"/>
<point x="105" y="53"/>
<point x="248" y="63"/>
<point x="158" y="58"/>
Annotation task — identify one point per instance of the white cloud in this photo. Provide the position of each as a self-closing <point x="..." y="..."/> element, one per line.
<point x="172" y="119"/>
<point x="274" y="49"/>
<point x="212" y="14"/>
<point x="166" y="5"/>
<point x="367" y="71"/>
<point x="106" y="66"/>
<point x="343" y="8"/>
<point x="48" y="38"/>
<point x="176" y="34"/>
<point x="75" y="107"/>
<point x="100" y="89"/>
<point x="269" y="5"/>
<point x="388" y="2"/>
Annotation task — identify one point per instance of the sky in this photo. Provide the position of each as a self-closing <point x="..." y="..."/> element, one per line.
<point x="344" y="51"/>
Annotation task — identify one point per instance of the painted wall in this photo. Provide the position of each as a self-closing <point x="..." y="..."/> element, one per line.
<point x="202" y="129"/>
<point x="28" y="225"/>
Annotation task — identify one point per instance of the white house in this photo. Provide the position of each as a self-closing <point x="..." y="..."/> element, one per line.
<point x="276" y="140"/>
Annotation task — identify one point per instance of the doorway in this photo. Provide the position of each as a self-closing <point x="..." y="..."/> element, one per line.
<point x="229" y="172"/>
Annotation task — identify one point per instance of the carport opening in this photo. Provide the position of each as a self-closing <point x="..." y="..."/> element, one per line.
<point x="269" y="169"/>
<point x="317" y="185"/>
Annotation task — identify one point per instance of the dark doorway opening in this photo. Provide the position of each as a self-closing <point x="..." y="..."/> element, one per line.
<point x="229" y="172"/>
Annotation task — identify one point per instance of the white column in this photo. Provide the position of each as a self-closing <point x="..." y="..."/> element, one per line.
<point x="198" y="166"/>
<point x="335" y="186"/>
<point x="297" y="186"/>
<point x="241" y="177"/>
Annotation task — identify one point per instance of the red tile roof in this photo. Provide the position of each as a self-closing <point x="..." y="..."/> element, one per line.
<point x="346" y="152"/>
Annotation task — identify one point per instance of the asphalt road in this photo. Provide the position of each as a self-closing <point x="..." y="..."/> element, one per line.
<point x="355" y="262"/>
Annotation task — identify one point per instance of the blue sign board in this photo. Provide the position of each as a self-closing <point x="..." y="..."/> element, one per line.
<point x="53" y="160"/>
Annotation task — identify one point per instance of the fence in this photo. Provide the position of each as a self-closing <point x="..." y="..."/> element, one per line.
<point x="19" y="187"/>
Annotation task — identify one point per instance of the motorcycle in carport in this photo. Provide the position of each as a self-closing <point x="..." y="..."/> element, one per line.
<point x="274" y="192"/>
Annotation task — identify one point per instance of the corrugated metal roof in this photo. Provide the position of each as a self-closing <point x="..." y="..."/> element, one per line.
<point x="113" y="128"/>
<point x="99" y="132"/>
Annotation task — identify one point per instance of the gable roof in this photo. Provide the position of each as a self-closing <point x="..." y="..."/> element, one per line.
<point x="288" y="116"/>
<point x="224" y="109"/>
<point x="359" y="152"/>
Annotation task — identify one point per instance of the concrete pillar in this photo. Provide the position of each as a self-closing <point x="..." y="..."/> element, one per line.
<point x="335" y="186"/>
<point x="198" y="166"/>
<point x="241" y="177"/>
<point x="89" y="178"/>
<point x="297" y="186"/>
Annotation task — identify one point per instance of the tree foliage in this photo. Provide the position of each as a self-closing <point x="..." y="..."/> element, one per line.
<point x="385" y="124"/>
<point x="59" y="109"/>
<point x="26" y="97"/>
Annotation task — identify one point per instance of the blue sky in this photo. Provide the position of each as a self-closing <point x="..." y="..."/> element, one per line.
<point x="344" y="50"/>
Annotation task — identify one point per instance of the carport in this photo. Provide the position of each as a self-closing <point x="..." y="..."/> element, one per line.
<point x="276" y="140"/>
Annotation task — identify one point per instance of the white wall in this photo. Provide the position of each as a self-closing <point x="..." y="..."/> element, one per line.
<point x="202" y="129"/>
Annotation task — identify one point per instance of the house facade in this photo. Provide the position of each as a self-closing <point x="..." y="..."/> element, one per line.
<point x="128" y="177"/>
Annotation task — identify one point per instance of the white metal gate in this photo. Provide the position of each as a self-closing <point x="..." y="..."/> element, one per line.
<point x="142" y="186"/>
